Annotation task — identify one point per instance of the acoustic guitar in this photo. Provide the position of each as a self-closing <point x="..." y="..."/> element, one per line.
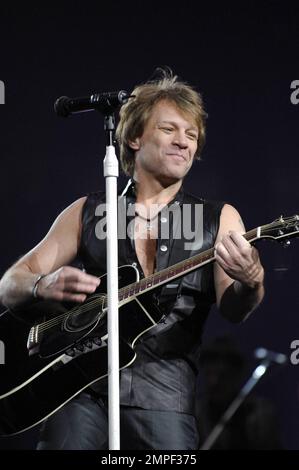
<point x="66" y="352"/>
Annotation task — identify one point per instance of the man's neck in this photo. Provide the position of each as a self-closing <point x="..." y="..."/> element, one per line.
<point x="150" y="192"/>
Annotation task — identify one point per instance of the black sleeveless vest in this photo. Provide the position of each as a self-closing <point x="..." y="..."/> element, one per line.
<point x="163" y="377"/>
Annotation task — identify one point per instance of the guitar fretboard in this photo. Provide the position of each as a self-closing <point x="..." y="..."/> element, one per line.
<point x="175" y="271"/>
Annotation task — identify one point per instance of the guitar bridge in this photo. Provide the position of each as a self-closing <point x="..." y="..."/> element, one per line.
<point x="33" y="340"/>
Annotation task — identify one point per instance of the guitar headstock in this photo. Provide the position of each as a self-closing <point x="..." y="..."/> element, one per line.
<point x="281" y="228"/>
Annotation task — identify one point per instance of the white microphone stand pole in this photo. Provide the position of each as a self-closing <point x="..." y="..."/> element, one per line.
<point x="111" y="172"/>
<point x="107" y="103"/>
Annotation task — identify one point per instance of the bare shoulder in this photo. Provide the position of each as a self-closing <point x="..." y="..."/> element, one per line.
<point x="61" y="244"/>
<point x="229" y="212"/>
<point x="230" y="219"/>
<point x="71" y="214"/>
<point x="75" y="208"/>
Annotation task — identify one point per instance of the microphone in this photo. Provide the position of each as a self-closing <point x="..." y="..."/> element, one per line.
<point x="106" y="102"/>
<point x="262" y="353"/>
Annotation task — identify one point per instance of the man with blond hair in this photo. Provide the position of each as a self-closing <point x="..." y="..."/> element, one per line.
<point x="160" y="133"/>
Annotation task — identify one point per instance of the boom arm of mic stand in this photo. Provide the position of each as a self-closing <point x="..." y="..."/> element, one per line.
<point x="257" y="374"/>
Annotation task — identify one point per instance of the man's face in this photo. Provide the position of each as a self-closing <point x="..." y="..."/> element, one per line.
<point x="168" y="144"/>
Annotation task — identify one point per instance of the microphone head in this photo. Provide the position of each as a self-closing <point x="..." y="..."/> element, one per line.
<point x="263" y="353"/>
<point x="106" y="103"/>
<point x="123" y="96"/>
<point x="61" y="106"/>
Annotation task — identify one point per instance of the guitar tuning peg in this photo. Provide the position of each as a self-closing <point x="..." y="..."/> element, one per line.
<point x="286" y="243"/>
<point x="70" y="352"/>
<point x="80" y="347"/>
<point x="97" y="341"/>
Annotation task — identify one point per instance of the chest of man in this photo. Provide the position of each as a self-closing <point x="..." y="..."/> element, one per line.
<point x="145" y="240"/>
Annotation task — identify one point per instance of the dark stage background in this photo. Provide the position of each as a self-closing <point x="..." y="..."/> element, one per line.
<point x="243" y="59"/>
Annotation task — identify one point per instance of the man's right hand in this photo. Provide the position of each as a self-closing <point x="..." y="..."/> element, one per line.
<point x="67" y="284"/>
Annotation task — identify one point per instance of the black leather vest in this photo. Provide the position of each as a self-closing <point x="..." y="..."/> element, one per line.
<point x="163" y="377"/>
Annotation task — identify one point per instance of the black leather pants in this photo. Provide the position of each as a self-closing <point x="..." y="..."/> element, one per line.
<point x="82" y="424"/>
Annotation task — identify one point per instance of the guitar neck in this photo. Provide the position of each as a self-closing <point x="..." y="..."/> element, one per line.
<point x="177" y="270"/>
<point x="283" y="228"/>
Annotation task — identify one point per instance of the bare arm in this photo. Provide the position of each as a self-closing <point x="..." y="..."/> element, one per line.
<point x="51" y="257"/>
<point x="238" y="272"/>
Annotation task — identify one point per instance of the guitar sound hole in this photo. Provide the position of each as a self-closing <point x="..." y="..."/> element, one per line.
<point x="83" y="316"/>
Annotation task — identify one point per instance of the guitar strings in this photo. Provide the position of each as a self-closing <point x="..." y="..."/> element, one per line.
<point x="125" y="290"/>
<point x="85" y="308"/>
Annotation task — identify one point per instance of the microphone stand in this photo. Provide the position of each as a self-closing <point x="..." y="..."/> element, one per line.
<point x="107" y="103"/>
<point x="256" y="375"/>
<point x="111" y="172"/>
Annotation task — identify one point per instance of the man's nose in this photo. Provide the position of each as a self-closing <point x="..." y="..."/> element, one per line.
<point x="180" y="139"/>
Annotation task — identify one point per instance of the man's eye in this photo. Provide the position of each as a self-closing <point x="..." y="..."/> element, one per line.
<point x="167" y="129"/>
<point x="192" y="136"/>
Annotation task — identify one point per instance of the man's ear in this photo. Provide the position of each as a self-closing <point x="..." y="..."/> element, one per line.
<point x="135" y="144"/>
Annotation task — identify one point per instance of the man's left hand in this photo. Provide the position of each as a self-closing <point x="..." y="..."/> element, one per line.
<point x="239" y="259"/>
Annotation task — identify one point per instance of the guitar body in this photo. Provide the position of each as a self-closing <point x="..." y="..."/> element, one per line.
<point x="65" y="357"/>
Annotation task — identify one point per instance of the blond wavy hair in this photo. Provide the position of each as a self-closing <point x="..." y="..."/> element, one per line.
<point x="135" y="114"/>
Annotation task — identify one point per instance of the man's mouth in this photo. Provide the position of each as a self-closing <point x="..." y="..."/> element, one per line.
<point x="177" y="155"/>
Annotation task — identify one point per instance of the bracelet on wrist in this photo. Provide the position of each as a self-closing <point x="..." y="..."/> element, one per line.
<point x="35" y="287"/>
